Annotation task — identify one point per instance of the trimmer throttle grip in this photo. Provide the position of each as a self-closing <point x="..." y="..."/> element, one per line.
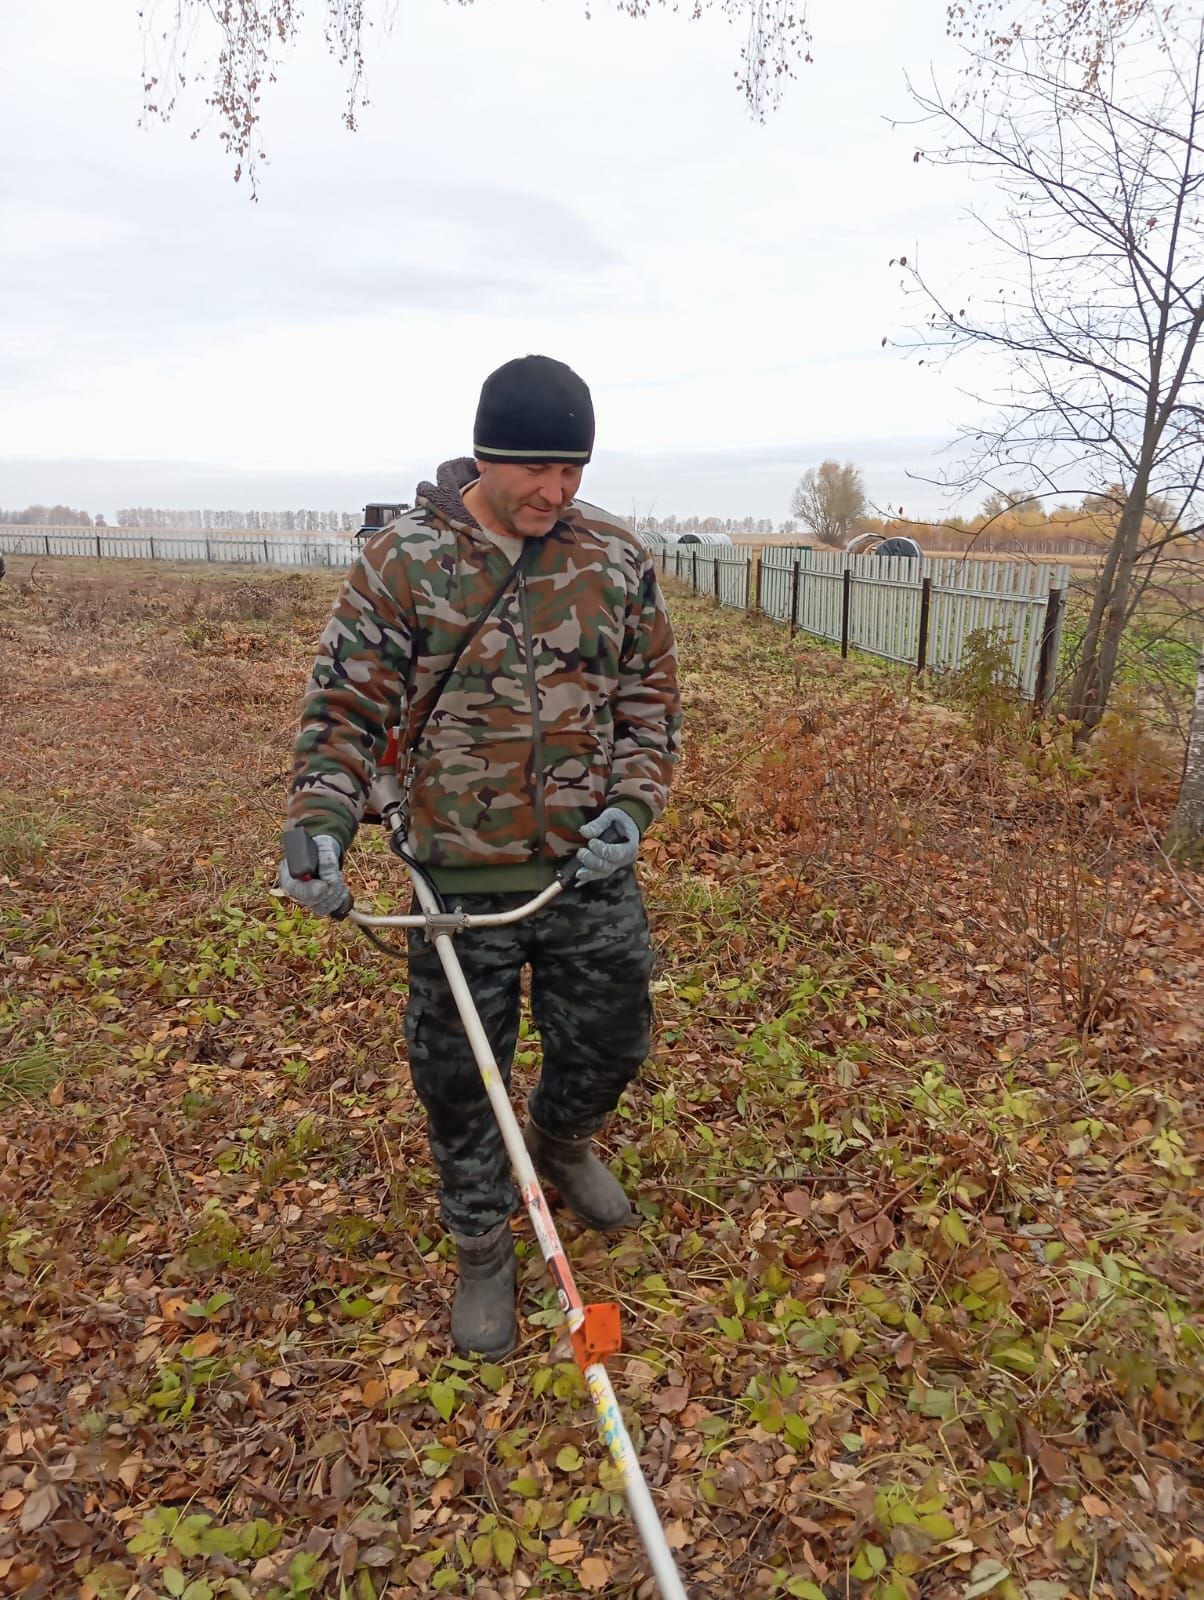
<point x="300" y="854"/>
<point x="567" y="875"/>
<point x="301" y="859"/>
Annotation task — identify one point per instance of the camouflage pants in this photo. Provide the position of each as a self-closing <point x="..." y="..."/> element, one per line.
<point x="591" y="959"/>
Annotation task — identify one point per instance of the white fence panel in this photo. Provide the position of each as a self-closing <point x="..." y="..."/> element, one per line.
<point x="821" y="596"/>
<point x="287" y="550"/>
<point x="712" y="570"/>
<point x="884" y="598"/>
<point x="735" y="573"/>
<point x="777" y="591"/>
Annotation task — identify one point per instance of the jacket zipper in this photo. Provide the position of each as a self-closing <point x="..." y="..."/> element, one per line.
<point x="536" y="732"/>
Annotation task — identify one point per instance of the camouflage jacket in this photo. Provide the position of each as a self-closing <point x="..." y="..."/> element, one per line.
<point x="564" y="702"/>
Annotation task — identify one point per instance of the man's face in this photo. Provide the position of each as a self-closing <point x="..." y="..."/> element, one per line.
<point x="528" y="500"/>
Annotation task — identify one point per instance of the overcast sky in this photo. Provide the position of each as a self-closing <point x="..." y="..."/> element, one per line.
<point x="524" y="180"/>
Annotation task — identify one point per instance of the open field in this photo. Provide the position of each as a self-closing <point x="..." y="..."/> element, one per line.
<point x="916" y="1312"/>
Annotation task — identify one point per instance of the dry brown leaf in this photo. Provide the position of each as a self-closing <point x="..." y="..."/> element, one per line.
<point x="1022" y="1537"/>
<point x="1166" y="1493"/>
<point x="41" y="1504"/>
<point x="593" y="1573"/>
<point x="1054" y="1463"/>
<point x="564" y="1552"/>
<point x="343" y="1480"/>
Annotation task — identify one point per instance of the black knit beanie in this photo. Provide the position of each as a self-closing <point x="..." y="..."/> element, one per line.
<point x="534" y="409"/>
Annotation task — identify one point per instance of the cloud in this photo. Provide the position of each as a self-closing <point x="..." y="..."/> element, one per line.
<point x="123" y="279"/>
<point x="523" y="180"/>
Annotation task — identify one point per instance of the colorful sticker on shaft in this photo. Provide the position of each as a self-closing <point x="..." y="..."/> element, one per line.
<point x="610" y="1423"/>
<point x="549" y="1243"/>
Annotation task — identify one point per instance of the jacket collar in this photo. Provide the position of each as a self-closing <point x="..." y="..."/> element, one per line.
<point x="445" y="498"/>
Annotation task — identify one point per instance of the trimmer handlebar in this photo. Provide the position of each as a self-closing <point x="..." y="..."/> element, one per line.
<point x="436" y="922"/>
<point x="301" y="859"/>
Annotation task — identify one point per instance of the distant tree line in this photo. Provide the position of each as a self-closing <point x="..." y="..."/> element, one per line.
<point x="671" y="525"/>
<point x="189" y="521"/>
<point x="241" y="521"/>
<point x="334" y="521"/>
<point x="831" y="504"/>
<point x="48" y="516"/>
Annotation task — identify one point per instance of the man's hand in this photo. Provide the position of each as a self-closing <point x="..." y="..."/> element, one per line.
<point x="325" y="894"/>
<point x="614" y="840"/>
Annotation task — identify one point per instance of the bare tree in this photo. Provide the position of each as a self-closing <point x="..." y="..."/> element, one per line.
<point x="1098" y="298"/>
<point x="829" y="499"/>
<point x="230" y="51"/>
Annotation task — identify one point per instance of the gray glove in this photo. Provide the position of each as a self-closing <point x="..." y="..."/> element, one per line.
<point x="327" y="893"/>
<point x="614" y="840"/>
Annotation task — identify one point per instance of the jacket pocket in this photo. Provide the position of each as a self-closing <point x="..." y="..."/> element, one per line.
<point x="576" y="765"/>
<point x="471" y="798"/>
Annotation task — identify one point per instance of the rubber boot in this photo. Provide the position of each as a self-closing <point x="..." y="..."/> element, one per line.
<point x="483" y="1319"/>
<point x="590" y="1190"/>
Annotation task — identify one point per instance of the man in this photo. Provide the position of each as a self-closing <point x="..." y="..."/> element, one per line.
<point x="554" y="735"/>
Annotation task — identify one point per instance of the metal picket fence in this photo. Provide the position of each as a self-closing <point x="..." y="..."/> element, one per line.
<point x="153" y="544"/>
<point x="917" y="612"/>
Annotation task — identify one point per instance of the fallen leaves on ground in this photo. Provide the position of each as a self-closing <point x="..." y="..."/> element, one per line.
<point x="916" y="1307"/>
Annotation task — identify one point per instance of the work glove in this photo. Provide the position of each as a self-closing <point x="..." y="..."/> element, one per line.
<point x="614" y="840"/>
<point x="325" y="894"/>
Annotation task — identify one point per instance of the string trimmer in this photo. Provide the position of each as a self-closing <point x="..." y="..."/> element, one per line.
<point x="593" y="1329"/>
